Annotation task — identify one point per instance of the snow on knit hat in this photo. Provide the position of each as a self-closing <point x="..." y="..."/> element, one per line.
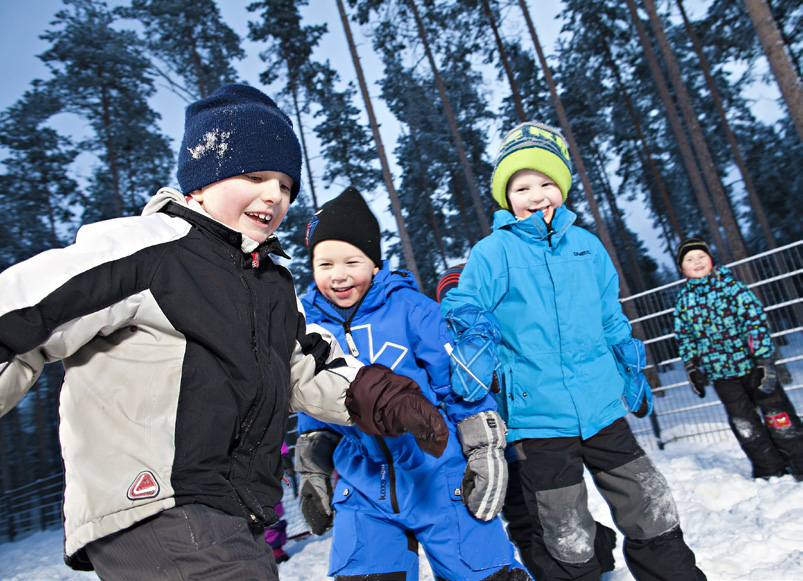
<point x="349" y="219"/>
<point x="531" y="146"/>
<point x="690" y="244"/>
<point x="236" y="130"/>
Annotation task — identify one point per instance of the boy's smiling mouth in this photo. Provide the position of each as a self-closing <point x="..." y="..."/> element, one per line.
<point x="261" y="217"/>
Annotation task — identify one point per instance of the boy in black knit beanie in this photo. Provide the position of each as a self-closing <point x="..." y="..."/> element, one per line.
<point x="183" y="348"/>
<point x="388" y="495"/>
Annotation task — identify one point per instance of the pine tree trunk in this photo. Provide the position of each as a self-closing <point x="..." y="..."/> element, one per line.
<point x="686" y="153"/>
<point x="436" y="231"/>
<point x="395" y="205"/>
<point x="602" y="230"/>
<point x="482" y="219"/>
<point x="718" y="194"/>
<point x="294" y="92"/>
<point x="115" y="172"/>
<point x="649" y="162"/>
<point x="758" y="210"/>
<point x="514" y="89"/>
<point x="776" y="52"/>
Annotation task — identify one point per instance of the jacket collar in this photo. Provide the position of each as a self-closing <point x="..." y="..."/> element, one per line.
<point x="534" y="226"/>
<point x="173" y="203"/>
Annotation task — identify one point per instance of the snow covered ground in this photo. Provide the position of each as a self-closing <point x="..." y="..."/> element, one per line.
<point x="740" y="529"/>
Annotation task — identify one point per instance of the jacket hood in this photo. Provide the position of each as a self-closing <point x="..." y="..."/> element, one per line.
<point x="534" y="226"/>
<point x="385" y="283"/>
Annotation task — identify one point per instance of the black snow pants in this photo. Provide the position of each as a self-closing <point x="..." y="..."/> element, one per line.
<point x="638" y="495"/>
<point x="772" y="444"/>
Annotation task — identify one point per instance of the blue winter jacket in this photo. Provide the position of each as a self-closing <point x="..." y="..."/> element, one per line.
<point x="399" y="327"/>
<point x="555" y="294"/>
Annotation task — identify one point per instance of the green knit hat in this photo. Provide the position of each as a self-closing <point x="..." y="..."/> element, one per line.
<point x="532" y="146"/>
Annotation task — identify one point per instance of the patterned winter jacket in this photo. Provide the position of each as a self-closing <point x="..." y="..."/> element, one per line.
<point x="183" y="346"/>
<point x="721" y="323"/>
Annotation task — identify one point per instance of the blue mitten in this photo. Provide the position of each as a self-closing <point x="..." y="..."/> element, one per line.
<point x="631" y="358"/>
<point x="473" y="361"/>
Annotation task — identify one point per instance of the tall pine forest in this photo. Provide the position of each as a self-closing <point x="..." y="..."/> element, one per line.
<point x="656" y="98"/>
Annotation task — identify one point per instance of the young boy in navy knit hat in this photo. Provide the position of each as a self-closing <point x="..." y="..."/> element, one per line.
<point x="389" y="497"/>
<point x="553" y="292"/>
<point x="183" y="347"/>
<point x="723" y="336"/>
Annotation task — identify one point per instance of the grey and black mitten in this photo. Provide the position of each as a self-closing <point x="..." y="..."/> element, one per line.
<point x="763" y="376"/>
<point x="697" y="378"/>
<point x="314" y="464"/>
<point x="485" y="480"/>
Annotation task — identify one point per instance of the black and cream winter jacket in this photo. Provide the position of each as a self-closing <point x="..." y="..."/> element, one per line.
<point x="184" y="346"/>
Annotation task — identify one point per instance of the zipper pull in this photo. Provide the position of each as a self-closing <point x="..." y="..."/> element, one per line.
<point x="352" y="345"/>
<point x="255" y="259"/>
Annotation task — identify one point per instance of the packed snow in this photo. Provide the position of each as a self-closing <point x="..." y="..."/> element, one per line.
<point x="739" y="528"/>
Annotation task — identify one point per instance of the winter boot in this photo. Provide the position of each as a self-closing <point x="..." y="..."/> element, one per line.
<point x="604" y="543"/>
<point x="280" y="555"/>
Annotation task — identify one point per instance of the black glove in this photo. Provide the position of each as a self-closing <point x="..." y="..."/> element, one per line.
<point x="383" y="403"/>
<point x="763" y="376"/>
<point x="697" y="378"/>
<point x="287" y="465"/>
<point x="314" y="464"/>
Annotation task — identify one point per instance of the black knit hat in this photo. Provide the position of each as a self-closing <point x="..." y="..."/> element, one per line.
<point x="236" y="130"/>
<point x="349" y="219"/>
<point x="690" y="244"/>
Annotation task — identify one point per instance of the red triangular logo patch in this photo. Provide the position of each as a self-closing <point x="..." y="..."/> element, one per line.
<point x="144" y="486"/>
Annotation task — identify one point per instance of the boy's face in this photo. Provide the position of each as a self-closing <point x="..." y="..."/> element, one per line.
<point x="696" y="264"/>
<point x="253" y="203"/>
<point x="530" y="191"/>
<point x="343" y="273"/>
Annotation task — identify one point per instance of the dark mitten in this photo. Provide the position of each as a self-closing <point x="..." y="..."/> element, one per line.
<point x="763" y="376"/>
<point x="697" y="378"/>
<point x="383" y="403"/>
<point x="484" y="484"/>
<point x="314" y="464"/>
<point x="287" y="466"/>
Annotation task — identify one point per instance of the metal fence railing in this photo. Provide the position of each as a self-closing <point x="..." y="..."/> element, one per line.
<point x="776" y="277"/>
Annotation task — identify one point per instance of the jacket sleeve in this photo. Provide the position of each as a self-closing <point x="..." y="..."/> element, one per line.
<point x="756" y="327"/>
<point x="320" y="374"/>
<point x="683" y="333"/>
<point x="56" y="302"/>
<point x="429" y="337"/>
<point x="617" y="327"/>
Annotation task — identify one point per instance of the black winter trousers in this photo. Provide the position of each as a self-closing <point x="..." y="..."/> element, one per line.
<point x="186" y="542"/>
<point x="772" y="444"/>
<point x="636" y="492"/>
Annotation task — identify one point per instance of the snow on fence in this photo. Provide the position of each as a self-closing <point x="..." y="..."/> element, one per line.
<point x="777" y="279"/>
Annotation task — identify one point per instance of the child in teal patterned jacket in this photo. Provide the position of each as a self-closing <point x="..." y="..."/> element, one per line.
<point x="723" y="336"/>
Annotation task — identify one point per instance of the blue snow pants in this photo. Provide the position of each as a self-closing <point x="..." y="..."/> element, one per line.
<point x="378" y="526"/>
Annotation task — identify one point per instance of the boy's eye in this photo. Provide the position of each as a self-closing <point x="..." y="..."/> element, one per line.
<point x="285" y="188"/>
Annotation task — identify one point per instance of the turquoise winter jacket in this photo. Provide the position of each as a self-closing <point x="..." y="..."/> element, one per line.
<point x="555" y="294"/>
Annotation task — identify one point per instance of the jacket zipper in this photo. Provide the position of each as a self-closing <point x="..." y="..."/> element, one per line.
<point x="394" y="503"/>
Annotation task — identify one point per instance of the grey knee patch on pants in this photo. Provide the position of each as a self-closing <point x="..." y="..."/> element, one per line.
<point x="639" y="497"/>
<point x="568" y="526"/>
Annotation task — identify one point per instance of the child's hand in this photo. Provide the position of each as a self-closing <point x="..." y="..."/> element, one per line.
<point x="763" y="376"/>
<point x="697" y="378"/>
<point x="383" y="403"/>
<point x="314" y="464"/>
<point x="485" y="480"/>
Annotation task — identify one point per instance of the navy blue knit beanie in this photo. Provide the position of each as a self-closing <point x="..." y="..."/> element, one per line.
<point x="236" y="130"/>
